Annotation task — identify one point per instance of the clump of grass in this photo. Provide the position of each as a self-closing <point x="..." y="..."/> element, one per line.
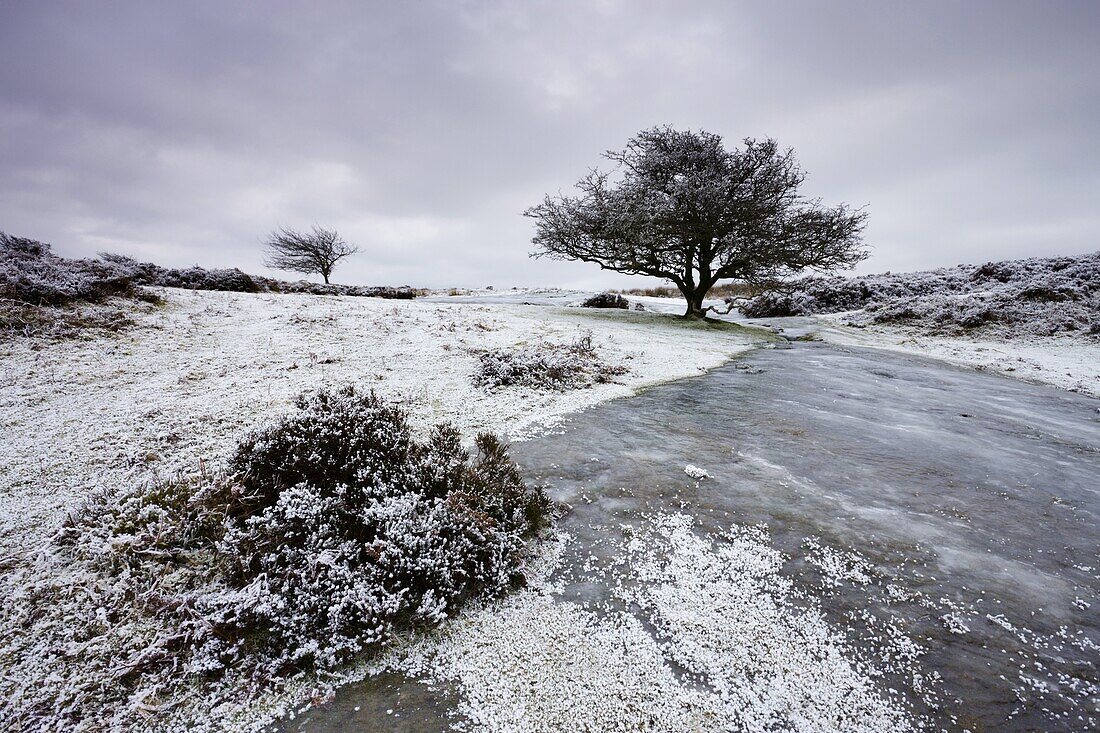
<point x="546" y="366"/>
<point x="326" y="534"/>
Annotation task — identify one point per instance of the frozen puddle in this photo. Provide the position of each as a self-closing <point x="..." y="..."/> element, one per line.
<point x="882" y="543"/>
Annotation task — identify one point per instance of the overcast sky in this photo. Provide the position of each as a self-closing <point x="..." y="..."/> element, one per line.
<point x="182" y="132"/>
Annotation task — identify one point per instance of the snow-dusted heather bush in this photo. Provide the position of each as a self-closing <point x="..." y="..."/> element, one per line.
<point x="366" y="291"/>
<point x="199" y="278"/>
<point x="194" y="278"/>
<point x="44" y="295"/>
<point x="606" y="300"/>
<point x="546" y="366"/>
<point x="30" y="273"/>
<point x="996" y="312"/>
<point x="345" y="526"/>
<point x="327" y="533"/>
<point x="836" y="294"/>
<point x="1038" y="296"/>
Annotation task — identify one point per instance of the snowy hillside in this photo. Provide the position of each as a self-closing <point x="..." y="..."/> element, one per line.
<point x="1031" y="297"/>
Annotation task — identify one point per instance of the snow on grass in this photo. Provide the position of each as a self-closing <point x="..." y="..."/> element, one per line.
<point x="1069" y="362"/>
<point x="182" y="386"/>
<point x="717" y="640"/>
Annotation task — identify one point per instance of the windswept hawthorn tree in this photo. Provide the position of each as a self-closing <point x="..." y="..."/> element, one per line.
<point x="683" y="207"/>
<point x="315" y="252"/>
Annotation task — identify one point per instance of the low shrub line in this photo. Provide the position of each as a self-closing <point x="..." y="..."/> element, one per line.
<point x="1038" y="296"/>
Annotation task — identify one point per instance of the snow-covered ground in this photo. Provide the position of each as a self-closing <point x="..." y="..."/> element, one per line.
<point x="1069" y="362"/>
<point x="192" y="377"/>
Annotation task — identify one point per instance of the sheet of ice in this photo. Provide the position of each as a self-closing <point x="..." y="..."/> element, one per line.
<point x="913" y="499"/>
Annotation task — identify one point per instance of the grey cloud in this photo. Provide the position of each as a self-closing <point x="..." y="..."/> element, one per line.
<point x="184" y="132"/>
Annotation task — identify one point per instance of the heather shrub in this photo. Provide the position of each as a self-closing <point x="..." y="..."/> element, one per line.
<point x="546" y="366"/>
<point x="994" y="313"/>
<point x="43" y="295"/>
<point x="606" y="300"/>
<point x="193" y="278"/>
<point x="343" y="528"/>
<point x="327" y="533"/>
<point x="1037" y="296"/>
<point x="365" y="291"/>
<point x="30" y="273"/>
<point x="199" y="278"/>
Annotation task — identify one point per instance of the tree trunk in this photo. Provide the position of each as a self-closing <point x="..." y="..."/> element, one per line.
<point x="325" y="276"/>
<point x="694" y="300"/>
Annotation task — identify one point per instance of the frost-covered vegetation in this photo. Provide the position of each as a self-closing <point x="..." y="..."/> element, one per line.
<point x="606" y="300"/>
<point x="42" y="294"/>
<point x="1038" y="296"/>
<point x="30" y="273"/>
<point x="546" y="366"/>
<point x="326" y="534"/>
<point x="199" y="278"/>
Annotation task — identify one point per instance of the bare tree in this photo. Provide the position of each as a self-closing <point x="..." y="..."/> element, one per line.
<point x="314" y="252"/>
<point x="684" y="208"/>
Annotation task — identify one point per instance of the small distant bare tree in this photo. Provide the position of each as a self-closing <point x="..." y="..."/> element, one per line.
<point x="313" y="252"/>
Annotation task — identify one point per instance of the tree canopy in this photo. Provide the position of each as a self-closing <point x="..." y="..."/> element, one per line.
<point x="683" y="207"/>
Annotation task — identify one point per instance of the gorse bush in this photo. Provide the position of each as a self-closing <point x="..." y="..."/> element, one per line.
<point x="546" y="366"/>
<point x="326" y="534"/>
